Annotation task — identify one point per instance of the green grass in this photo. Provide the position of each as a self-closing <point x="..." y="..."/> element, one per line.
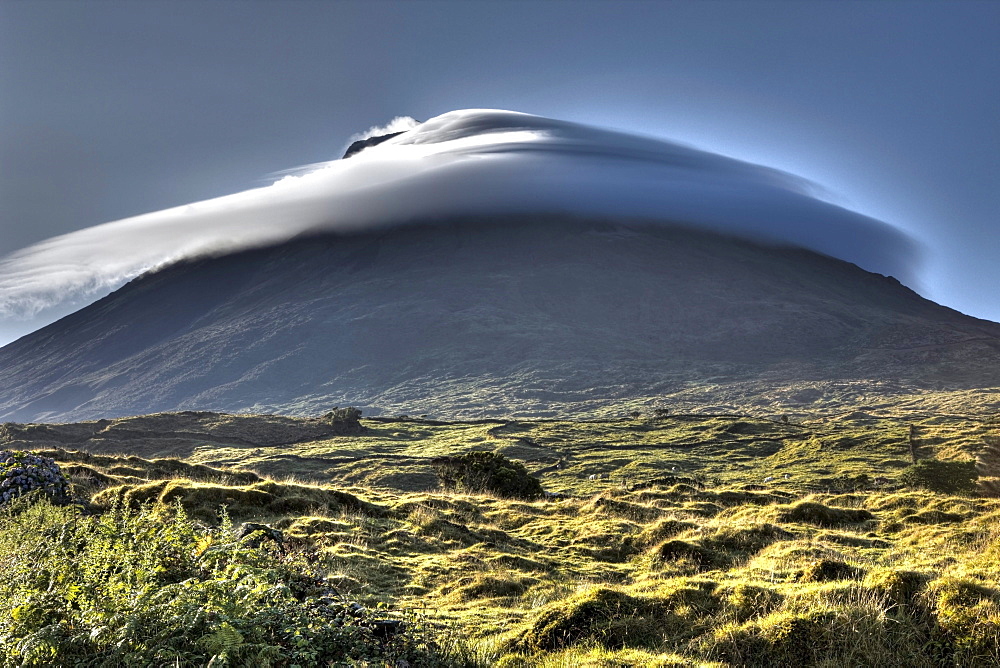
<point x="665" y="545"/>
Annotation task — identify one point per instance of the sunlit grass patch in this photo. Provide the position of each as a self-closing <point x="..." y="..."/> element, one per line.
<point x="665" y="540"/>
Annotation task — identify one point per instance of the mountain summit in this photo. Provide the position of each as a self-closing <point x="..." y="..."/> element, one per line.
<point x="536" y="316"/>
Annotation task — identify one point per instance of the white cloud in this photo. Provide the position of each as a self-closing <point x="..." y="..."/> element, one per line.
<point x="461" y="163"/>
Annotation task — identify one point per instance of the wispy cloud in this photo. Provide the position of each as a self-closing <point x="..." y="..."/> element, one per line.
<point x="461" y="163"/>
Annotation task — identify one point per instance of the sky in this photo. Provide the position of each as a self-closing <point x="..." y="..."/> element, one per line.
<point x="113" y="109"/>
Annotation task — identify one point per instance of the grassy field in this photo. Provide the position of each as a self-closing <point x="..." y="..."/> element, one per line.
<point x="671" y="540"/>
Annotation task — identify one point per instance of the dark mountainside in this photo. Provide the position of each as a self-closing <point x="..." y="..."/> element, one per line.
<point x="491" y="318"/>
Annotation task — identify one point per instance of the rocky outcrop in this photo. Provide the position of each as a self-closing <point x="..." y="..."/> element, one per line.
<point x="362" y="144"/>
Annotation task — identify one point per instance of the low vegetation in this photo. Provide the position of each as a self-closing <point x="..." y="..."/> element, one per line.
<point x="666" y="540"/>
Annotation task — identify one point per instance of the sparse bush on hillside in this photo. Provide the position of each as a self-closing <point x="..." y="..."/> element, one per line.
<point x="479" y="472"/>
<point x="24" y="472"/>
<point x="204" y="501"/>
<point x="939" y="476"/>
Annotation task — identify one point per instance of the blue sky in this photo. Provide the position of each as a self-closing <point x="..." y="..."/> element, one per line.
<point x="112" y="109"/>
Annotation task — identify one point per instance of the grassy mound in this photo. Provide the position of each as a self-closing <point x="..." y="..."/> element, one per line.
<point x="721" y="546"/>
<point x="607" y="617"/>
<point x="827" y="570"/>
<point x="810" y="512"/>
<point x="205" y="501"/>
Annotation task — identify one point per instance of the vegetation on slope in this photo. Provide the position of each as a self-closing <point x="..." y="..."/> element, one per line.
<point x="150" y="587"/>
<point x="662" y="540"/>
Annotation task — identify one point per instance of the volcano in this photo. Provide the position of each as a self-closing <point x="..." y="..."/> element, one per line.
<point x="485" y="263"/>
<point x="530" y="316"/>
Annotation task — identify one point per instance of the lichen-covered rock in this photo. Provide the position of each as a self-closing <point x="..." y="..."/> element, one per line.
<point x="24" y="472"/>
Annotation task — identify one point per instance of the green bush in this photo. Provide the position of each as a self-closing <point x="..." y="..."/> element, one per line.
<point x="479" y="472"/>
<point x="945" y="477"/>
<point x="148" y="586"/>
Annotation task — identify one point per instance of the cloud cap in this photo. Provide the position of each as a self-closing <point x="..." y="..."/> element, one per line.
<point x="474" y="163"/>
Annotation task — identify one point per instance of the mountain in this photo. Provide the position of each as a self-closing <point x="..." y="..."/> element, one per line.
<point x="493" y="316"/>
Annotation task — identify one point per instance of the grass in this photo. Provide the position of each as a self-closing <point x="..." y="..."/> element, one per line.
<point x="664" y="540"/>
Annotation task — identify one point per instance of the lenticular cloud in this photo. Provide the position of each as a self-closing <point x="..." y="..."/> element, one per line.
<point x="463" y="163"/>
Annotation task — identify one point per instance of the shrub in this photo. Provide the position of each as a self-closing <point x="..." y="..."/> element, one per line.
<point x="945" y="477"/>
<point x="24" y="472"/>
<point x="479" y="472"/>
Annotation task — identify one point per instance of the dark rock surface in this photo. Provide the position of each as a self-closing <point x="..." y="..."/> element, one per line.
<point x="362" y="144"/>
<point x="485" y="318"/>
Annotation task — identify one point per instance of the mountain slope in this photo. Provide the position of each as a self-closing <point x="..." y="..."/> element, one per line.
<point x="483" y="318"/>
